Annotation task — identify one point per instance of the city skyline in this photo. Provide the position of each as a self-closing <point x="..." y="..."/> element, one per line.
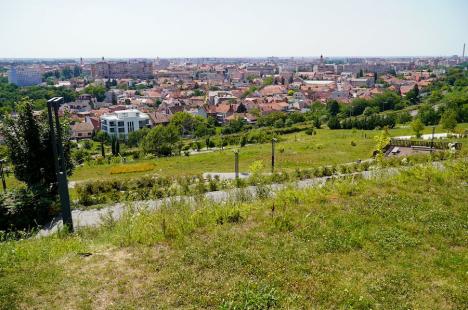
<point x="220" y="29"/>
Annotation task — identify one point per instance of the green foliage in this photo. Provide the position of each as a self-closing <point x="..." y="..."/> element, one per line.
<point x="428" y="115"/>
<point x="25" y="209"/>
<point x="188" y="124"/>
<point x="334" y="123"/>
<point x="333" y="107"/>
<point x="413" y="95"/>
<point x="417" y="126"/>
<point x="97" y="91"/>
<point x="161" y="140"/>
<point x="11" y="94"/>
<point x="135" y="137"/>
<point x="381" y="141"/>
<point x="252" y="297"/>
<point x="30" y="149"/>
<point x="449" y="120"/>
<point x="332" y="234"/>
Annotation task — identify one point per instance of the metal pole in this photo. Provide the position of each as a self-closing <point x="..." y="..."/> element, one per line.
<point x="60" y="164"/>
<point x="236" y="163"/>
<point x="432" y="139"/>
<point x="273" y="155"/>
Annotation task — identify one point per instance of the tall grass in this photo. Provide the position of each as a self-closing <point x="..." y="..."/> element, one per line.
<point x="392" y="243"/>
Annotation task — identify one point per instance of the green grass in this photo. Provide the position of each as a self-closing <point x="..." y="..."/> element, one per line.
<point x="393" y="243"/>
<point x="300" y="151"/>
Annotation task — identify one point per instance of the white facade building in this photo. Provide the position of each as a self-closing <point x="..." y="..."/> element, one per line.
<point x="121" y="123"/>
<point x="24" y="76"/>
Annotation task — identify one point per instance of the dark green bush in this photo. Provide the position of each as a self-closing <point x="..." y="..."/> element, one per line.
<point x="25" y="209"/>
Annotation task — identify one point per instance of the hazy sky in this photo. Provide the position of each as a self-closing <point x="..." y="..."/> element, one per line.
<point x="196" y="28"/>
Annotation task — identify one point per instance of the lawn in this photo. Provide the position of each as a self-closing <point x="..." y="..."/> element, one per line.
<point x="394" y="243"/>
<point x="298" y="150"/>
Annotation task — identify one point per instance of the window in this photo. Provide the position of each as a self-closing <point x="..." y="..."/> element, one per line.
<point x="111" y="123"/>
<point x="130" y="126"/>
<point x="104" y="121"/>
<point x="112" y="129"/>
<point x="121" y="124"/>
<point x="121" y="129"/>
<point x="104" y="128"/>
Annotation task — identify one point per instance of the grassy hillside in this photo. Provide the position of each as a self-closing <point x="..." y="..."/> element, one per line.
<point x="393" y="243"/>
<point x="299" y="150"/>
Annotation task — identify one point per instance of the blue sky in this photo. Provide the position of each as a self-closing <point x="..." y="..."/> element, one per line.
<point x="227" y="28"/>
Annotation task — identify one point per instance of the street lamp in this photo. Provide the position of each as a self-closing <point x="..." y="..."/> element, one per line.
<point x="236" y="163"/>
<point x="59" y="160"/>
<point x="273" y="141"/>
<point x="432" y="139"/>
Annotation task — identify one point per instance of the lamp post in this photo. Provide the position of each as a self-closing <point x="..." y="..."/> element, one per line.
<point x="236" y="163"/>
<point x="59" y="160"/>
<point x="432" y="139"/>
<point x="273" y="141"/>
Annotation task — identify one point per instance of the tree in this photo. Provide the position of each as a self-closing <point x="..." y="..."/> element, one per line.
<point x="30" y="149"/>
<point x="102" y="137"/>
<point x="417" y="126"/>
<point x="161" y="140"/>
<point x="449" y="120"/>
<point x="317" y="123"/>
<point x="134" y="138"/>
<point x="382" y="141"/>
<point x="241" y="108"/>
<point x="97" y="91"/>
<point x="413" y="95"/>
<point x="333" y="107"/>
<point x="67" y="73"/>
<point x="186" y="122"/>
<point x="334" y="123"/>
<point x="76" y="71"/>
<point x="243" y="141"/>
<point x="428" y="115"/>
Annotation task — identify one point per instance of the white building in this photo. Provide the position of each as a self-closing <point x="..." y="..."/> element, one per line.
<point x="121" y="123"/>
<point x="24" y="76"/>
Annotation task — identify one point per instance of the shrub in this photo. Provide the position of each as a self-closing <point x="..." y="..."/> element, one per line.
<point x="25" y="209"/>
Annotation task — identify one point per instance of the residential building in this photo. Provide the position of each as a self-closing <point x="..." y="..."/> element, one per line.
<point x="121" y="123"/>
<point x="82" y="130"/>
<point x="120" y="70"/>
<point x="24" y="76"/>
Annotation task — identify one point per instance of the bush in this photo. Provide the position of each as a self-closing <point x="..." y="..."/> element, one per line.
<point x="25" y="209"/>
